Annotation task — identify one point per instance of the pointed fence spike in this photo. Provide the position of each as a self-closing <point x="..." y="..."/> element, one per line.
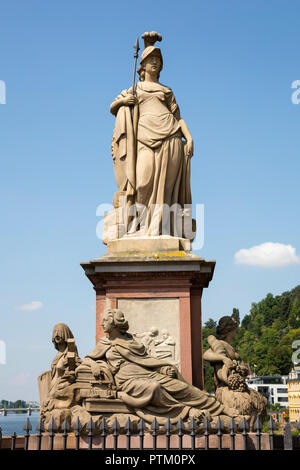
<point x="27" y="426"/>
<point x="271" y="424"/>
<point x="244" y="426"/>
<point x="77" y="426"/>
<point x="168" y="425"/>
<point x="257" y="425"/>
<point x="116" y="425"/>
<point x="232" y="426"/>
<point x="154" y="425"/>
<point x="52" y="426"/>
<point x="206" y="425"/>
<point x="103" y="425"/>
<point x="128" y="425"/>
<point x="193" y="425"/>
<point x="90" y="425"/>
<point x="220" y="425"/>
<point x="40" y="426"/>
<point x="180" y="425"/>
<point x="65" y="426"/>
<point x="141" y="425"/>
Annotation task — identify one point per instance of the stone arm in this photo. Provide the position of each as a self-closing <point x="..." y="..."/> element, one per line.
<point x="170" y="341"/>
<point x="126" y="98"/>
<point x="96" y="368"/>
<point x="184" y="129"/>
<point x="189" y="140"/>
<point x="217" y="356"/>
<point x="139" y="335"/>
<point x="217" y="353"/>
<point x="214" y="358"/>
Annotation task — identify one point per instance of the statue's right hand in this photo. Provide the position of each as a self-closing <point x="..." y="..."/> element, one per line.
<point x="96" y="371"/>
<point x="229" y="363"/>
<point x="130" y="100"/>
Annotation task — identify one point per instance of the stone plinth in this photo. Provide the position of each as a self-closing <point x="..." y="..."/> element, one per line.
<point x="148" y="244"/>
<point x="160" y="292"/>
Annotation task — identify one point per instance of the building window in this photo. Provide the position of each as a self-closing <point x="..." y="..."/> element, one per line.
<point x="282" y="399"/>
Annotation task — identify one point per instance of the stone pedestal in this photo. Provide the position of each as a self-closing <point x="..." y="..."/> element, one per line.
<point x="160" y="295"/>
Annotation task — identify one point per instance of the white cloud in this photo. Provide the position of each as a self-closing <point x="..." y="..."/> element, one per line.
<point x="268" y="254"/>
<point x="34" y="305"/>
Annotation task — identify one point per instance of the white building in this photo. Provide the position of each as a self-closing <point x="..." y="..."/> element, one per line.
<point x="273" y="387"/>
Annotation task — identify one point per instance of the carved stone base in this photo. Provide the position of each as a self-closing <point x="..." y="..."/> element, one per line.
<point x="160" y="295"/>
<point x="148" y="244"/>
<point x="104" y="405"/>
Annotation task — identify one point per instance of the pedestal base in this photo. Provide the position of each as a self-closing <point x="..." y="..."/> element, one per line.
<point x="160" y="295"/>
<point x="148" y="244"/>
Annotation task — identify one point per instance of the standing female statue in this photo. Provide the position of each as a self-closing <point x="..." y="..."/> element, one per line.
<point x="231" y="371"/>
<point x="151" y="161"/>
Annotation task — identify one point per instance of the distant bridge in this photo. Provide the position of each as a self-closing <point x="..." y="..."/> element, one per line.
<point x="4" y="411"/>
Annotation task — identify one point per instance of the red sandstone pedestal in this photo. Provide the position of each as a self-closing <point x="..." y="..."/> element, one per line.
<point x="160" y="295"/>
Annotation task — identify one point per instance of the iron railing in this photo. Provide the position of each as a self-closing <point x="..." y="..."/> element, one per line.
<point x="138" y="437"/>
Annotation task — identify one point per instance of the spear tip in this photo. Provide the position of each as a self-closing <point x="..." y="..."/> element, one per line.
<point x="137" y="45"/>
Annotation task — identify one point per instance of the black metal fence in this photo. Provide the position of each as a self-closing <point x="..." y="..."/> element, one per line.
<point x="139" y="437"/>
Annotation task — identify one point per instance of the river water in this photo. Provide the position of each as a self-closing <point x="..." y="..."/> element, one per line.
<point x="14" y="422"/>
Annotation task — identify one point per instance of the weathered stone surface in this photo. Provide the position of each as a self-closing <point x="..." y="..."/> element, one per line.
<point x="231" y="371"/>
<point x="166" y="285"/>
<point x="57" y="388"/>
<point x="161" y="315"/>
<point x="148" y="244"/>
<point x="151" y="161"/>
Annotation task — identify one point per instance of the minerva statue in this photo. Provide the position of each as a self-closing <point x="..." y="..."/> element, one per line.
<point x="151" y="149"/>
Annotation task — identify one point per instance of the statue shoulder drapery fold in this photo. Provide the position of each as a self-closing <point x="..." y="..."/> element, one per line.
<point x="124" y="148"/>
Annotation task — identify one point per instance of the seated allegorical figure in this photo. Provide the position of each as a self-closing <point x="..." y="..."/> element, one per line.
<point x="230" y="372"/>
<point x="57" y="387"/>
<point x="149" y="386"/>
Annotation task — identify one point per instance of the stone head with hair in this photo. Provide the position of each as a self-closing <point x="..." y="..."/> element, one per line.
<point x="114" y="318"/>
<point x="226" y="325"/>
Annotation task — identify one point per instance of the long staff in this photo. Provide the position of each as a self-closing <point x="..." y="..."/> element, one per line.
<point x="136" y="55"/>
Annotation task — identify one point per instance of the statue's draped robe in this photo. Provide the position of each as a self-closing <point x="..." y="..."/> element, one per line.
<point x="144" y="384"/>
<point x="61" y="392"/>
<point x="155" y="168"/>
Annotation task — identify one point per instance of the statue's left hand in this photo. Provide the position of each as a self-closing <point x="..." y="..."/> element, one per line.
<point x="189" y="148"/>
<point x="171" y="372"/>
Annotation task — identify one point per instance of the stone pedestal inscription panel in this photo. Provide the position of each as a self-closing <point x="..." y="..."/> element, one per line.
<point x="155" y="323"/>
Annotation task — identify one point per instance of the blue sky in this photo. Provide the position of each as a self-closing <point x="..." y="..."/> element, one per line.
<point x="230" y="64"/>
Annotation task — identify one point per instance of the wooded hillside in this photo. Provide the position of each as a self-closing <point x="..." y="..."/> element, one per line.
<point x="265" y="336"/>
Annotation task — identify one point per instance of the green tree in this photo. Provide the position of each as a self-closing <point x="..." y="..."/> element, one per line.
<point x="294" y="315"/>
<point x="236" y="314"/>
<point x="279" y="358"/>
<point x="209" y="384"/>
<point x="246" y="321"/>
<point x="210" y="323"/>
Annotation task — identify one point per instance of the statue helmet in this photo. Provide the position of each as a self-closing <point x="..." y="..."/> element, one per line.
<point x="149" y="40"/>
